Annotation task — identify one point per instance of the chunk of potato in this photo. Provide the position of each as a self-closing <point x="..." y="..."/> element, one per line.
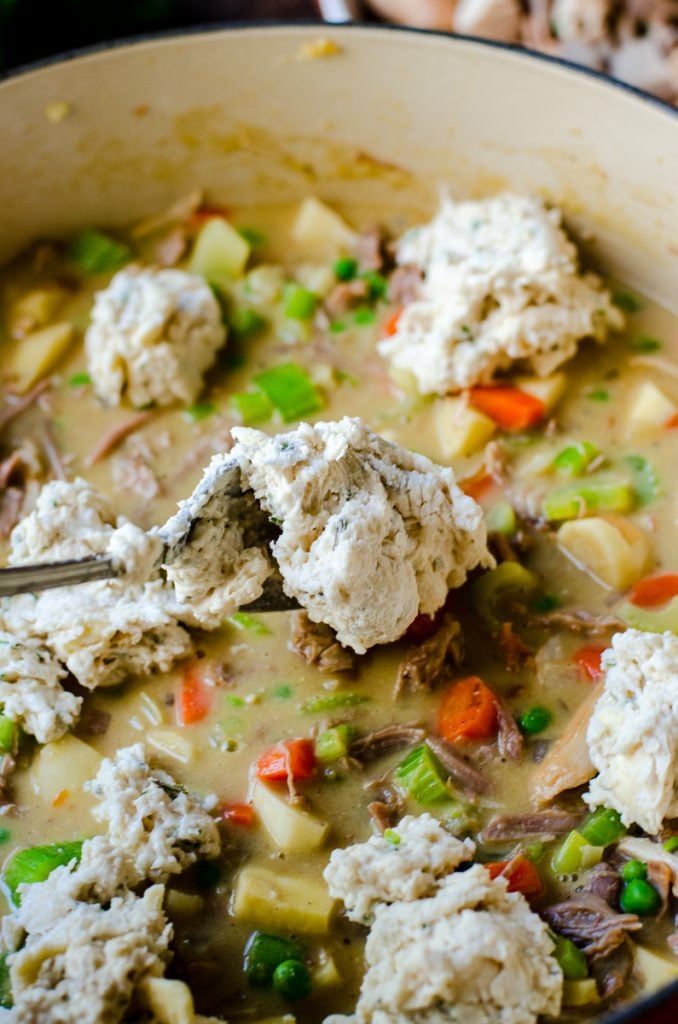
<point x="648" y="412"/>
<point x="291" y="828"/>
<point x="219" y="251"/>
<point x="276" y="901"/>
<point x="34" y="309"/>
<point x="581" y="992"/>
<point x="182" y="904"/>
<point x="170" y="1001"/>
<point x="171" y="744"/>
<point x="656" y="969"/>
<point x="548" y="390"/>
<point x="35" y="355"/>
<point x="611" y="548"/>
<point x="319" y="230"/>
<point x="461" y="430"/>
<point x="63" y="766"/>
<point x="325" y="973"/>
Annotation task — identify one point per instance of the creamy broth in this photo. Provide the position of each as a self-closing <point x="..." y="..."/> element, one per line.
<point x="265" y="685"/>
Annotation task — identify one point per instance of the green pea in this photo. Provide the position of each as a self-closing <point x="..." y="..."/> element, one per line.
<point x="345" y="268"/>
<point x="535" y="720"/>
<point x="292" y="980"/>
<point x="633" y="869"/>
<point x="639" y="897"/>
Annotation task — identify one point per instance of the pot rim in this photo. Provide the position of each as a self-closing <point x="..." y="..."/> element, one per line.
<point x="630" y="1014"/>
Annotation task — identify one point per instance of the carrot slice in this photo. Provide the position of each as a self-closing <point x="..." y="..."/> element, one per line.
<point x="510" y="408"/>
<point x="238" y="814"/>
<point x="468" y="711"/>
<point x="588" y="660"/>
<point x="195" y="696"/>
<point x="477" y="485"/>
<point x="294" y="757"/>
<point x="521" y="875"/>
<point x="391" y="325"/>
<point x="654" y="590"/>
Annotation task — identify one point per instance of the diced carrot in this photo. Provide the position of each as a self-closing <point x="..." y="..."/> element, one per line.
<point x="588" y="660"/>
<point x="468" y="710"/>
<point x="672" y="421"/>
<point x="391" y="325"/>
<point x="295" y="758"/>
<point x="423" y="626"/>
<point x="510" y="408"/>
<point x="477" y="485"/>
<point x="195" y="696"/>
<point x="238" y="814"/>
<point x="654" y="590"/>
<point x="521" y="875"/>
<point x="60" y="798"/>
<point x="205" y="213"/>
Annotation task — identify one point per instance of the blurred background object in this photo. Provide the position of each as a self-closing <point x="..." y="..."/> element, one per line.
<point x="635" y="40"/>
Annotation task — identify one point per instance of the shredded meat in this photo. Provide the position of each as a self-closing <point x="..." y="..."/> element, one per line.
<point x="591" y="924"/>
<point x="172" y="247"/>
<point x="383" y="815"/>
<point x="604" y="882"/>
<point x="404" y="284"/>
<point x="579" y="621"/>
<point x="17" y="472"/>
<point x="424" y="665"/>
<point x="7" y="766"/>
<point x="531" y="823"/>
<point x="388" y="806"/>
<point x="672" y="942"/>
<point x="93" y="722"/>
<point x="461" y="771"/>
<point x="509" y="738"/>
<point x="384" y="741"/>
<point x="11" y="504"/>
<point x="612" y="970"/>
<point x="370" y="249"/>
<point x="501" y="547"/>
<point x="17" y="406"/>
<point x="345" y="295"/>
<point x="661" y="877"/>
<point x="516" y="652"/>
<point x="115" y="436"/>
<point x="317" y="644"/>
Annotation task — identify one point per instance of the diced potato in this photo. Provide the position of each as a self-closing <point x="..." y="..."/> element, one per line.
<point x="219" y="251"/>
<point x="581" y="992"/>
<point x="325" y="973"/>
<point x="548" y="390"/>
<point x="34" y="309"/>
<point x="461" y="430"/>
<point x="648" y="412"/>
<point x="317" y="277"/>
<point x="182" y="904"/>
<point x="63" y="766"/>
<point x="656" y="969"/>
<point x="291" y="828"/>
<point x="35" y="355"/>
<point x="612" y="549"/>
<point x="277" y="901"/>
<point x="170" y="1001"/>
<point x="171" y="744"/>
<point x="319" y="230"/>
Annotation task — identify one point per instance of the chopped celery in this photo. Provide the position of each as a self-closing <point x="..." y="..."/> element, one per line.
<point x="251" y="406"/>
<point x="219" y="251"/>
<point x="671" y="845"/>
<point x="364" y="316"/>
<point x="573" y="460"/>
<point x="510" y="580"/>
<point x="254" y="238"/>
<point x="36" y="863"/>
<point x="263" y="953"/>
<point x="575" y="853"/>
<point x="421" y="776"/>
<point x="601" y="494"/>
<point x="299" y="303"/>
<point x="5" y="984"/>
<point x="377" y="284"/>
<point x="243" y="322"/>
<point x="290" y="389"/>
<point x="334" y="743"/>
<point x="333" y="701"/>
<point x="644" y="478"/>
<point x="602" y="827"/>
<point x="599" y="395"/>
<point x="501" y="518"/>
<point x="79" y="380"/>
<point x="200" y="411"/>
<point x="392" y="837"/>
<point x="546" y="603"/>
<point x="652" y="620"/>
<point x="243" y="620"/>
<point x="96" y="252"/>
<point x="8" y="735"/>
<point x="345" y="268"/>
<point x="5" y="835"/>
<point x="571" y="959"/>
<point x="644" y="343"/>
<point x="626" y="301"/>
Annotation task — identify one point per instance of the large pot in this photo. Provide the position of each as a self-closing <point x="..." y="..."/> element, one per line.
<point x="110" y="136"/>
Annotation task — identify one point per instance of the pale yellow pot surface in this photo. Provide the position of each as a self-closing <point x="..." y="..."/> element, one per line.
<point x="394" y="114"/>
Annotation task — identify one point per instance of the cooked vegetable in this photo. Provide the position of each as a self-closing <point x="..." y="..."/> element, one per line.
<point x="334" y="743"/>
<point x="571" y="959"/>
<point x="345" y="268"/>
<point x="293" y="757"/>
<point x="633" y="869"/>
<point x="241" y="815"/>
<point x="61" y="768"/>
<point x="420" y="774"/>
<point x="648" y="413"/>
<point x="639" y="897"/>
<point x="655" y="968"/>
<point x="319" y="229"/>
<point x="249" y="623"/>
<point x="535" y="720"/>
<point x="333" y="701"/>
<point x="575" y="853"/>
<point x="36" y="863"/>
<point x="196" y="697"/>
<point x="290" y="389"/>
<point x="511" y="409"/>
<point x="654" y="620"/>
<point x="580" y="992"/>
<point x="588" y="660"/>
<point x="294" y="903"/>
<point x="521" y="875"/>
<point x="299" y="303"/>
<point x="5" y="983"/>
<point x="548" y="390"/>
<point x="501" y="518"/>
<point x="219" y="251"/>
<point x="37" y="354"/>
<point x="245" y="322"/>
<point x="251" y="407"/>
<point x="602" y="827"/>
<point x="200" y="411"/>
<point x="612" y="549"/>
<point x="468" y="711"/>
<point x="461" y="429"/>
<point x="644" y="478"/>
<point x="494" y="591"/>
<point x="292" y="828"/>
<point x="391" y="324"/>
<point x="169" y="743"/>
<point x="574" y="460"/>
<point x="169" y="1000"/>
<point x="292" y="980"/>
<point x="655" y="591"/>
<point x="9" y="735"/>
<point x="600" y="494"/>
<point x="264" y="952"/>
<point x="96" y="252"/>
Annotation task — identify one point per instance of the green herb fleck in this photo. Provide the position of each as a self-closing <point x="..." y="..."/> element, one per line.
<point x="626" y="301"/>
<point x="546" y="603"/>
<point x="253" y="237"/>
<point x="392" y="837"/>
<point x="245" y="621"/>
<point x="364" y="316"/>
<point x="644" y="343"/>
<point x="78" y="380"/>
<point x="282" y="692"/>
<point x="235" y="701"/>
<point x="5" y="835"/>
<point x="599" y="395"/>
<point x="644" y="477"/>
<point x="338" y="326"/>
<point x="200" y="411"/>
<point x="245" y="322"/>
<point x="345" y="268"/>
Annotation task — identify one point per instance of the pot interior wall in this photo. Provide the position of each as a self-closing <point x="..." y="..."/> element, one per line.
<point x="391" y="117"/>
